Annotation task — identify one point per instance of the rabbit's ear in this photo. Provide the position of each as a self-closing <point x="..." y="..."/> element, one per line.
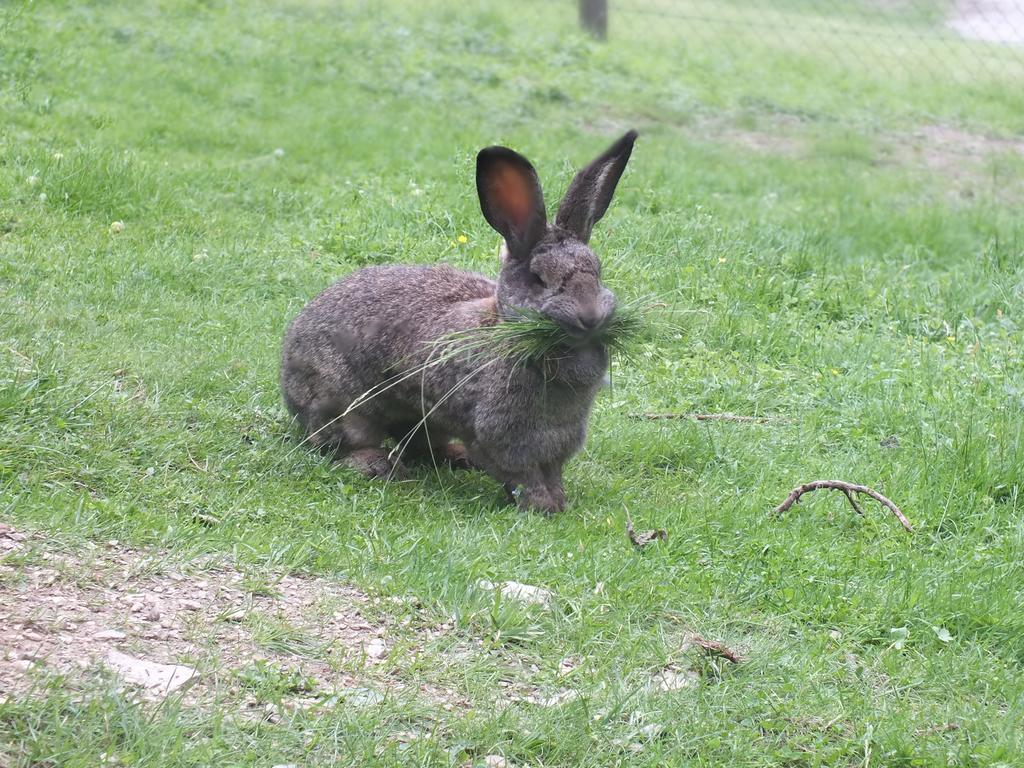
<point x="591" y="191"/>
<point x="510" y="198"/>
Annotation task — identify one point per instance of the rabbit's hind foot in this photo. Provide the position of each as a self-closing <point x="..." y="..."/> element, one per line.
<point x="375" y="462"/>
<point x="538" y="498"/>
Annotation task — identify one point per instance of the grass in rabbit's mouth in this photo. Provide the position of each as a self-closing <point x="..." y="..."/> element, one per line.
<point x="531" y="336"/>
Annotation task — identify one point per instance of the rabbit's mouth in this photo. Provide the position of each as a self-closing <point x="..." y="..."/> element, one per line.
<point x="580" y="334"/>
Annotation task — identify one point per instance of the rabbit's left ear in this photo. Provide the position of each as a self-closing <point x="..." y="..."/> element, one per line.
<point x="510" y="198"/>
<point x="591" y="191"/>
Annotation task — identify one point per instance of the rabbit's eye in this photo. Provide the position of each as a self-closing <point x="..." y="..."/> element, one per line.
<point x="538" y="280"/>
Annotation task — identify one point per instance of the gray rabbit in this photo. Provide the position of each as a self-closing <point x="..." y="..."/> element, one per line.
<point x="355" y="366"/>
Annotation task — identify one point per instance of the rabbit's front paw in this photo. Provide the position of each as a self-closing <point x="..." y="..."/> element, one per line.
<point x="541" y="499"/>
<point x="457" y="456"/>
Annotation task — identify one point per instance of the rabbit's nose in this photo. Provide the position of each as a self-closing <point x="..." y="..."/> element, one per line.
<point x="590" y="319"/>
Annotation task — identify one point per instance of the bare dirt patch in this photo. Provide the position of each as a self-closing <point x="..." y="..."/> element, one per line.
<point x="942" y="142"/>
<point x="781" y="138"/>
<point x="66" y="612"/>
<point x="970" y="161"/>
<point x="969" y="164"/>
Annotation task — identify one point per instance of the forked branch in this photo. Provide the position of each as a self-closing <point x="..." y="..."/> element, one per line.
<point x="848" y="489"/>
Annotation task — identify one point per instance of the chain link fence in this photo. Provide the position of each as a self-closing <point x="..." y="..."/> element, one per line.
<point x="956" y="40"/>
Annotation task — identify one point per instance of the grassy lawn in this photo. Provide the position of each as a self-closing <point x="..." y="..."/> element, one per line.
<point x="839" y="248"/>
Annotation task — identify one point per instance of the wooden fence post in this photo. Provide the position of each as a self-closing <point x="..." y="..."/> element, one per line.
<point x="594" y="17"/>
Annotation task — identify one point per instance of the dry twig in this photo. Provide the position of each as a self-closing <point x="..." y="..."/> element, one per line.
<point x="714" y="648"/>
<point x="848" y="490"/>
<point x="204" y="467"/>
<point x="709" y="417"/>
<point x="643" y="538"/>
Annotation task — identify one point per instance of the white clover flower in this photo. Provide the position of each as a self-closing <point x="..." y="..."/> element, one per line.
<point x="32" y="180"/>
<point x="117" y="227"/>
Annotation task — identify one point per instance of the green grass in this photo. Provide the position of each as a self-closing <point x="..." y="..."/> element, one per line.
<point x="532" y="338"/>
<point x="827" y="267"/>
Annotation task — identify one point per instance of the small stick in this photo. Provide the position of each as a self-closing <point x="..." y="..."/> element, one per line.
<point x="714" y="648"/>
<point x="196" y="464"/>
<point x="853" y="502"/>
<point x="848" y="489"/>
<point x="642" y="539"/>
<point x="709" y="417"/>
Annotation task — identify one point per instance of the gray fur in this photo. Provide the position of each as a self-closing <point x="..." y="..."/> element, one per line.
<point x="520" y="424"/>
